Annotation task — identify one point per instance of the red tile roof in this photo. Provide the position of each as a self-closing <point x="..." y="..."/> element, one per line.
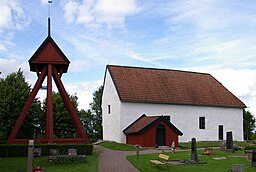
<point x="151" y="85"/>
<point x="145" y="122"/>
<point x="140" y="123"/>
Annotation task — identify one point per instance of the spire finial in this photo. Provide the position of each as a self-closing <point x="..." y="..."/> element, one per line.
<point x="49" y="26"/>
<point x="49" y="19"/>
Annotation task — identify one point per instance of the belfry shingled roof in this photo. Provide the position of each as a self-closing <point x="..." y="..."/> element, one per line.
<point x="149" y="85"/>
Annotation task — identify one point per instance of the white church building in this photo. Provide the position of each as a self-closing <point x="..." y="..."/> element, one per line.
<point x="195" y="103"/>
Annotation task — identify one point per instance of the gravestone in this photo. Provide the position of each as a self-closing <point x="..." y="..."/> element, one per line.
<point x="254" y="158"/>
<point x="223" y="146"/>
<point x="137" y="152"/>
<point x="72" y="152"/>
<point x="208" y="151"/>
<point x="37" y="152"/>
<point x="194" y="156"/>
<point x="30" y="155"/>
<point x="238" y="168"/>
<point x="53" y="152"/>
<point x="173" y="147"/>
<point x="230" y="142"/>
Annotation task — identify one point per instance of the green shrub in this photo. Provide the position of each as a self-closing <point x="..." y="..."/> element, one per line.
<point x="21" y="150"/>
<point x="249" y="147"/>
<point x="67" y="159"/>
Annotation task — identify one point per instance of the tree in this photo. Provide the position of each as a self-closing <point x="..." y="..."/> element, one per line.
<point x="249" y="124"/>
<point x="14" y="91"/>
<point x="62" y="123"/>
<point x="88" y="122"/>
<point x="97" y="113"/>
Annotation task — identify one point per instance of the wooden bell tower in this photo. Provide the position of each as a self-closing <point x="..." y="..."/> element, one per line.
<point x="49" y="61"/>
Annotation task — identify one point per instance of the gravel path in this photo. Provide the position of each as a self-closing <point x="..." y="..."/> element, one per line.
<point x="115" y="161"/>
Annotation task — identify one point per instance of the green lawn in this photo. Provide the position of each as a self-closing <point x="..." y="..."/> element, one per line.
<point x="203" y="144"/>
<point x="117" y="146"/>
<point x="13" y="164"/>
<point x="212" y="165"/>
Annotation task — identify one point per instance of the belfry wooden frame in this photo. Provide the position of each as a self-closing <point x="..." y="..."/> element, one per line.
<point x="49" y="61"/>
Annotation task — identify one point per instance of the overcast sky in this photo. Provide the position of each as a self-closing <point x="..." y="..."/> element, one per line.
<point x="211" y="36"/>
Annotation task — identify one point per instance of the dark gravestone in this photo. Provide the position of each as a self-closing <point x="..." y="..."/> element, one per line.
<point x="194" y="156"/>
<point x="54" y="152"/>
<point x="229" y="141"/>
<point x="254" y="158"/>
<point x="37" y="152"/>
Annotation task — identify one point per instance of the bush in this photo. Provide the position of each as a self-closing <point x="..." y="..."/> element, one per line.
<point x="22" y="150"/>
<point x="249" y="148"/>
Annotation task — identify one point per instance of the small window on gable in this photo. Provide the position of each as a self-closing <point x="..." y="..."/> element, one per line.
<point x="201" y="122"/>
<point x="108" y="109"/>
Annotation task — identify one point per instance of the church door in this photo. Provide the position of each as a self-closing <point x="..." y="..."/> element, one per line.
<point x="160" y="135"/>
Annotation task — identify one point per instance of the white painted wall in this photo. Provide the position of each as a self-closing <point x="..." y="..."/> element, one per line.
<point x="110" y="122"/>
<point x="186" y="119"/>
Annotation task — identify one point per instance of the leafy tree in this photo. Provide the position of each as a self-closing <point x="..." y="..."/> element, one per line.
<point x="88" y="122"/>
<point x="62" y="123"/>
<point x="249" y="124"/>
<point x="14" y="91"/>
<point x="97" y="113"/>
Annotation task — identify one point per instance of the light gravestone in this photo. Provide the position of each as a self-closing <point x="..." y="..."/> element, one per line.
<point x="238" y="168"/>
<point x="72" y="152"/>
<point x="30" y="155"/>
<point x="194" y="156"/>
<point x="223" y="146"/>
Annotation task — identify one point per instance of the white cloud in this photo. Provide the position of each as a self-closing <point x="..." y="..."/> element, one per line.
<point x="2" y="47"/>
<point x="70" y="9"/>
<point x="44" y="2"/>
<point x="78" y="65"/>
<point x="83" y="91"/>
<point x="97" y="12"/>
<point x="98" y="50"/>
<point x="6" y="15"/>
<point x="207" y="15"/>
<point x="219" y="34"/>
<point x="7" y="66"/>
<point x="12" y="15"/>
<point x="115" y="11"/>
<point x="86" y="12"/>
<point x="241" y="83"/>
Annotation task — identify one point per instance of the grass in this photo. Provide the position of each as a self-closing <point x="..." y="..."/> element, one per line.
<point x="203" y="144"/>
<point x="13" y="164"/>
<point x="117" y="146"/>
<point x="211" y="166"/>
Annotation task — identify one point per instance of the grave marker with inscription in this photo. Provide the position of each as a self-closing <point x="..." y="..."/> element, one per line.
<point x="194" y="156"/>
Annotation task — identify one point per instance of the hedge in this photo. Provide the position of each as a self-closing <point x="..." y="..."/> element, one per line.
<point x="7" y="150"/>
<point x="249" y="147"/>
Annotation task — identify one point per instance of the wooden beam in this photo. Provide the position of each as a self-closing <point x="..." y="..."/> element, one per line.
<point x="49" y="108"/>
<point x="76" y="122"/>
<point x="27" y="106"/>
